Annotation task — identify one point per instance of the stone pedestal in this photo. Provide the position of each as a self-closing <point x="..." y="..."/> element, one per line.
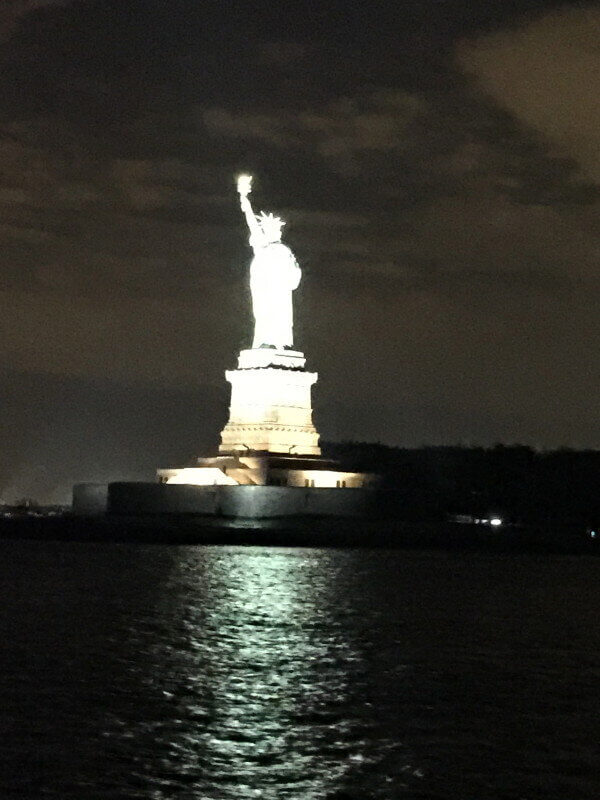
<point x="271" y="407"/>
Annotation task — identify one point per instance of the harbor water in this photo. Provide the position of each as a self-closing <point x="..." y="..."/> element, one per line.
<point x="211" y="672"/>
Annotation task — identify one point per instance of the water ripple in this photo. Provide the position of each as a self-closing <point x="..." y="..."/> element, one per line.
<point x="200" y="673"/>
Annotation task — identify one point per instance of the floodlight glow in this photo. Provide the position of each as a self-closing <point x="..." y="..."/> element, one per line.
<point x="495" y="521"/>
<point x="324" y="478"/>
<point x="202" y="476"/>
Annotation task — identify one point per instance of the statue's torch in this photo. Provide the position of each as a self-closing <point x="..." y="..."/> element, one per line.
<point x="244" y="185"/>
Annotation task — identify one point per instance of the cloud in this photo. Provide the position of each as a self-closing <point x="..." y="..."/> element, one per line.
<point x="339" y="131"/>
<point x="547" y="73"/>
<point x="448" y="244"/>
<point x="348" y="126"/>
<point x="12" y="11"/>
<point x="284" y="55"/>
<point x="82" y="224"/>
<point x="438" y="199"/>
<point x="274" y="129"/>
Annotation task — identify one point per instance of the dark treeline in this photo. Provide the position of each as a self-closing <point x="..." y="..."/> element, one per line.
<point x="516" y="482"/>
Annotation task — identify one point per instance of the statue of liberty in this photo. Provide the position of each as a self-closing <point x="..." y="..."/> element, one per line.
<point x="274" y="274"/>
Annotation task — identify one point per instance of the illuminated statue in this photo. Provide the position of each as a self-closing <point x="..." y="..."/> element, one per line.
<point x="274" y="274"/>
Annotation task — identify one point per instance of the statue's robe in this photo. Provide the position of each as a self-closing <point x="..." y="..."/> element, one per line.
<point x="274" y="274"/>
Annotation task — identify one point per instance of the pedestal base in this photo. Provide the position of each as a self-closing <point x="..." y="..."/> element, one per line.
<point x="271" y="409"/>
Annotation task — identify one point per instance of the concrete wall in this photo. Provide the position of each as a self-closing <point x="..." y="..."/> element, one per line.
<point x="256" y="502"/>
<point x="90" y="498"/>
<point x="280" y="501"/>
<point x="251" y="502"/>
<point x="160" y="498"/>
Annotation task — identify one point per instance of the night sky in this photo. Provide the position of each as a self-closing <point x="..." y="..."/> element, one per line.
<point x="438" y="165"/>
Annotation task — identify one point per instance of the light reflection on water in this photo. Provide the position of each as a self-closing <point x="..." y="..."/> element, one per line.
<point x="210" y="673"/>
<point x="269" y="675"/>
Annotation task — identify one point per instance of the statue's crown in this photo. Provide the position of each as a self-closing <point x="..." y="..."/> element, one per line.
<point x="270" y="224"/>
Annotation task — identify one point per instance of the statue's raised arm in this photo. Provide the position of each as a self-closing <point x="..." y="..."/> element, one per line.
<point x="244" y="187"/>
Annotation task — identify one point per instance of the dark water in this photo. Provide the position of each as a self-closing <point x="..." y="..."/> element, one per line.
<point x="230" y="672"/>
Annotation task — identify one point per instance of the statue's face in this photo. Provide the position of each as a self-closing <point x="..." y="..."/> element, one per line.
<point x="272" y="233"/>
